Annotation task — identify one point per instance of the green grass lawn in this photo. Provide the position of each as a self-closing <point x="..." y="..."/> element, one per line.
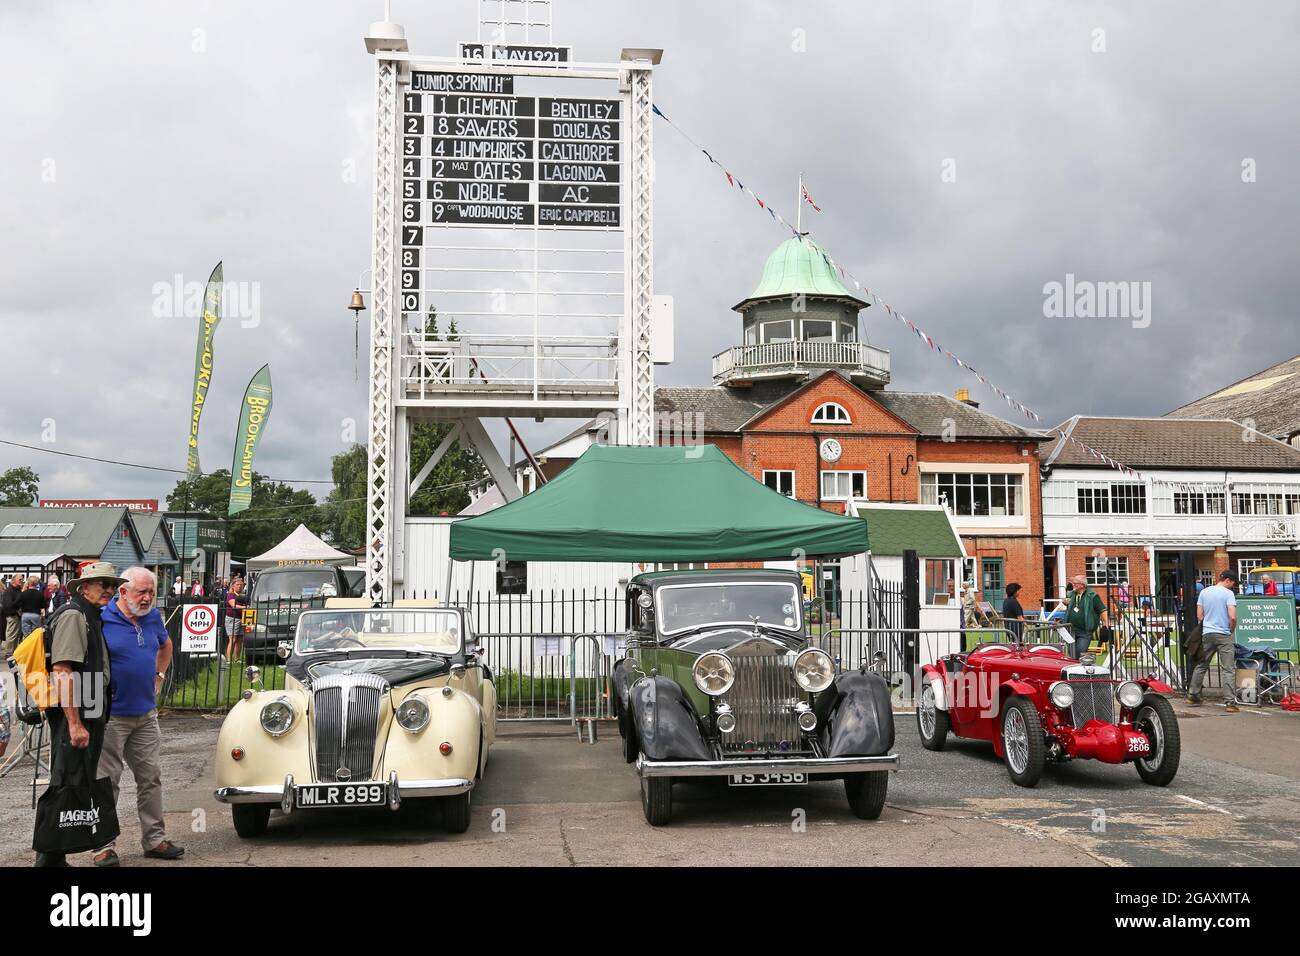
<point x="203" y="690"/>
<point x="513" y="687"/>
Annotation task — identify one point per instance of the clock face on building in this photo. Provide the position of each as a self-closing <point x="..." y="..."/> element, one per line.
<point x="831" y="450"/>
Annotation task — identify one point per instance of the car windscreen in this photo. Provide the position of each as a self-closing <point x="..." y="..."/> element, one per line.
<point x="294" y="585"/>
<point x="346" y="629"/>
<point x="686" y="606"/>
<point x="1279" y="577"/>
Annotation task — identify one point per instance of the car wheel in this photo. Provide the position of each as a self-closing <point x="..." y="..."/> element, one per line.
<point x="866" y="793"/>
<point x="930" y="720"/>
<point x="250" y="818"/>
<point x="1155" y="718"/>
<point x="628" y="729"/>
<point x="1022" y="742"/>
<point x="455" y="812"/>
<point x="657" y="800"/>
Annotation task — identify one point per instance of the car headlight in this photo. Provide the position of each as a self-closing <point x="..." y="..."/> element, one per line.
<point x="413" y="715"/>
<point x="1129" y="694"/>
<point x="714" y="673"/>
<point x="277" y="717"/>
<point x="814" y="670"/>
<point x="1062" y="694"/>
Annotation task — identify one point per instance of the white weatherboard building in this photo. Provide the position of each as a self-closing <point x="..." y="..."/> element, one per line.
<point x="1211" y="486"/>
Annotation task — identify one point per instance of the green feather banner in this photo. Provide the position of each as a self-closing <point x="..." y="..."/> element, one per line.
<point x="203" y="365"/>
<point x="254" y="413"/>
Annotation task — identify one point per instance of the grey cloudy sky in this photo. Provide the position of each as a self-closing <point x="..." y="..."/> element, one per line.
<point x="147" y="140"/>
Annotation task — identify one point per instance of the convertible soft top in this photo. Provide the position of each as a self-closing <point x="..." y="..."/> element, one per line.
<point x="623" y="503"/>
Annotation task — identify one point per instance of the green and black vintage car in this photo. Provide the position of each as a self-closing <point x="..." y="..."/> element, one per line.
<point x="722" y="680"/>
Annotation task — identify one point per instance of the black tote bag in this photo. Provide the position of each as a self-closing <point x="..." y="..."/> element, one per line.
<point x="76" y="816"/>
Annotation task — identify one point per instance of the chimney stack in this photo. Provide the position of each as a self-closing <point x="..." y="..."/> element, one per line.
<point x="963" y="395"/>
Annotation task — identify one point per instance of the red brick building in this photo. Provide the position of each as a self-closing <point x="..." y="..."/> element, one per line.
<point x="802" y="406"/>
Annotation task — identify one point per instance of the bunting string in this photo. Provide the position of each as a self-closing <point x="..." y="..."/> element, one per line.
<point x="734" y="182"/>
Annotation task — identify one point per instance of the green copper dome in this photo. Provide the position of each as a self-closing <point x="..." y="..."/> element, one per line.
<point x="798" y="267"/>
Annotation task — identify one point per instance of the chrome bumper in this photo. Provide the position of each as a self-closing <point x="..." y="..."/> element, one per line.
<point x="286" y="794"/>
<point x="723" y="768"/>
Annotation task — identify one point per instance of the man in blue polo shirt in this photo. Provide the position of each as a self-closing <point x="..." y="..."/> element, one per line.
<point x="1216" y="609"/>
<point x="140" y="652"/>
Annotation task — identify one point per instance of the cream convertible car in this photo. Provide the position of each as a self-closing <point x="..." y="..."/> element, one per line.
<point x="380" y="705"/>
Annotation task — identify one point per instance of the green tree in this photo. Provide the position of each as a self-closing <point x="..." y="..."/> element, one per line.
<point x="344" y="510"/>
<point x="18" y="487"/>
<point x="445" y="490"/>
<point x="277" y="508"/>
<point x="343" y="513"/>
<point x="209" y="494"/>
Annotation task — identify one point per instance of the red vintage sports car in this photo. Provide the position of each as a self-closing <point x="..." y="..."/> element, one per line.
<point x="1037" y="704"/>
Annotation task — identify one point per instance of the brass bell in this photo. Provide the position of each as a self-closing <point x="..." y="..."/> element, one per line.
<point x="358" y="304"/>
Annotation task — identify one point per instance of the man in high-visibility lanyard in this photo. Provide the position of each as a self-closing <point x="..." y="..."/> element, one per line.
<point x="1085" y="611"/>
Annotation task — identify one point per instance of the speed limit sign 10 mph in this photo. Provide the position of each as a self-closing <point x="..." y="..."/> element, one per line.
<point x="199" y="629"/>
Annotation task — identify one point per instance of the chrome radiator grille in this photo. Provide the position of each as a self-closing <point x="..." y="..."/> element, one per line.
<point x="762" y="700"/>
<point x="1093" y="700"/>
<point x="347" y="720"/>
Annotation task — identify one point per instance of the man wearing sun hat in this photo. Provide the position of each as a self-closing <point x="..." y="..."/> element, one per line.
<point x="81" y="676"/>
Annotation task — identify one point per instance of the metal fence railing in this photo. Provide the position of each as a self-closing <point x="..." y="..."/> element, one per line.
<point x="551" y="653"/>
<point x="211" y="674"/>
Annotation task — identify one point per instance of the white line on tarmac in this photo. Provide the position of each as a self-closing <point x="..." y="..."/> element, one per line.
<point x="1202" y="803"/>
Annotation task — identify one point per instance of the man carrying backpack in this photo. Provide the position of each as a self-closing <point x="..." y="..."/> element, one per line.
<point x="80" y="673"/>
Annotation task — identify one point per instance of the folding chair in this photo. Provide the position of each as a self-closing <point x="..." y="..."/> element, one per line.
<point x="1274" y="677"/>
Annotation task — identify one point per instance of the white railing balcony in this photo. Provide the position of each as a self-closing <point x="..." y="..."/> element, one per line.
<point x="433" y="367"/>
<point x="778" y="358"/>
<point x="1282" y="530"/>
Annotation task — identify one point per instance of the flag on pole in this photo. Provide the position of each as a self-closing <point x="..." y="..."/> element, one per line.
<point x="808" y="199"/>
<point x="203" y="366"/>
<point x="254" y="413"/>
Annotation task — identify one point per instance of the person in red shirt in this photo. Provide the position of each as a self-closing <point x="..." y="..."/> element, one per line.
<point x="1270" y="586"/>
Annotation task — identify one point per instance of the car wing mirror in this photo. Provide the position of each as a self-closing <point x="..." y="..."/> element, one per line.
<point x="283" y="650"/>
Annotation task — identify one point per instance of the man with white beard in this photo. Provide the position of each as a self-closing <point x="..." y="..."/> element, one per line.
<point x="140" y="651"/>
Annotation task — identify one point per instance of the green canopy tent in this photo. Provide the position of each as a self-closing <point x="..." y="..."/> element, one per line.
<point x="669" y="504"/>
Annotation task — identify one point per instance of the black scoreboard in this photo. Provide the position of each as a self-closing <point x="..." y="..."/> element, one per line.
<point x="474" y="153"/>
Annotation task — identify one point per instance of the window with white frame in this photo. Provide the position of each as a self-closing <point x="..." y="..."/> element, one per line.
<point x="1197" y="502"/>
<point x="1106" y="570"/>
<point x="1058" y="497"/>
<point x="939" y="580"/>
<point x="843" y="485"/>
<point x="779" y="331"/>
<point x="975" y="495"/>
<point x="780" y="481"/>
<point x="831" y="413"/>
<point x="818" y="330"/>
<point x="1205" y="576"/>
<point x="1111" y="497"/>
<point x="1246" y="565"/>
<point x="1262" y="499"/>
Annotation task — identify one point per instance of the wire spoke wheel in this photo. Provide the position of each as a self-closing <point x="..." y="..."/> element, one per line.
<point x="925" y="712"/>
<point x="1016" y="740"/>
<point x="1150" y="724"/>
<point x="1155" y="717"/>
